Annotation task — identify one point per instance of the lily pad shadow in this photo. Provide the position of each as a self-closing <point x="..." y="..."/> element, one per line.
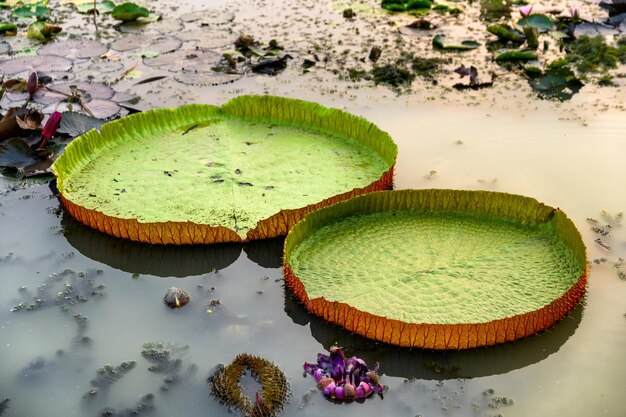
<point x="438" y="365"/>
<point x="139" y="258"/>
<point x="267" y="253"/>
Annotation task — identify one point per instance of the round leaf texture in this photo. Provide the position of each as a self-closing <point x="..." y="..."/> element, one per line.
<point x="439" y="269"/>
<point x="204" y="174"/>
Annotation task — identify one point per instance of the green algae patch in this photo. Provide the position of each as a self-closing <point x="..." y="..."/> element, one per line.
<point x="231" y="168"/>
<point x="441" y="269"/>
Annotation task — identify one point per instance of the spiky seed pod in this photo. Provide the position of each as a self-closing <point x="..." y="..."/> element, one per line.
<point x="225" y="386"/>
<point x="176" y="297"/>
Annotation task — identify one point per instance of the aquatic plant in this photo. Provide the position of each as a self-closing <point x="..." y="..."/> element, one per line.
<point x="593" y="54"/>
<point x="344" y="379"/>
<point x="458" y="259"/>
<point x="225" y="386"/>
<point x="256" y="165"/>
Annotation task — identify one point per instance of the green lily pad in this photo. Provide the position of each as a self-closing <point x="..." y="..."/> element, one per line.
<point x="28" y="11"/>
<point x="8" y="28"/>
<point x="87" y="6"/>
<point x="539" y="21"/>
<point x="439" y="42"/>
<point x="516" y="56"/>
<point x="442" y="269"/>
<point x="506" y="33"/>
<point x="406" y="5"/>
<point x="42" y="31"/>
<point x="127" y="12"/>
<point x="204" y="174"/>
<point x="558" y="82"/>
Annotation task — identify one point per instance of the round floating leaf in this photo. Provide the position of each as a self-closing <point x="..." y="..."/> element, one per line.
<point x="128" y="12"/>
<point x="207" y="78"/>
<point x="157" y="43"/>
<point x="439" y="42"/>
<point x="194" y="61"/>
<point x="203" y="174"/>
<point x="539" y="21"/>
<point x="87" y="6"/>
<point x="75" y="124"/>
<point x="101" y="109"/>
<point x="558" y="82"/>
<point x="46" y="63"/>
<point x="105" y="66"/>
<point x="213" y="39"/>
<point x="209" y="17"/>
<point x="74" y="48"/>
<point x="438" y="269"/>
<point x="5" y="47"/>
<point x="164" y="26"/>
<point x="595" y="29"/>
<point x="516" y="56"/>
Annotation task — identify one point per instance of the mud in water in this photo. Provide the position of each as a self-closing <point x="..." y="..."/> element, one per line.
<point x="82" y="300"/>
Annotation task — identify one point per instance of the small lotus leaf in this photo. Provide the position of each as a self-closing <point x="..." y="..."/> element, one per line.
<point x="506" y="33"/>
<point x="75" y="124"/>
<point x="8" y="29"/>
<point x="87" y="6"/>
<point x="46" y="63"/>
<point x="209" y="17"/>
<point x="439" y="42"/>
<point x="516" y="56"/>
<point x="27" y="11"/>
<point x="74" y="48"/>
<point x="42" y="31"/>
<point x="542" y="22"/>
<point x="158" y="43"/>
<point x="558" y="83"/>
<point x="128" y="12"/>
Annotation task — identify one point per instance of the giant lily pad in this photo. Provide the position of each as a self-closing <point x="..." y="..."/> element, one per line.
<point x="203" y="174"/>
<point x="35" y="63"/>
<point x="439" y="269"/>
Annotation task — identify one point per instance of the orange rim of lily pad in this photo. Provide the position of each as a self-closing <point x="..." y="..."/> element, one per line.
<point x="438" y="269"/>
<point x="250" y="169"/>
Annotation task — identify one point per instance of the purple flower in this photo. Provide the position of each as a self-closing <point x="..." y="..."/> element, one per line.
<point x="525" y="11"/>
<point x="574" y="12"/>
<point x="33" y="83"/>
<point x="343" y="379"/>
<point x="50" y="128"/>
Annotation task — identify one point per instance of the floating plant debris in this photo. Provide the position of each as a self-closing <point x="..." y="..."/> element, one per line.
<point x="270" y="401"/>
<point x="457" y="259"/>
<point x="107" y="376"/>
<point x="331" y="156"/>
<point x="167" y="360"/>
<point x="176" y="297"/>
<point x="344" y="379"/>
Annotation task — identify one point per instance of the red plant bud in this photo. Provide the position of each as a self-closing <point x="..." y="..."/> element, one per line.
<point x="33" y="83"/>
<point x="50" y="128"/>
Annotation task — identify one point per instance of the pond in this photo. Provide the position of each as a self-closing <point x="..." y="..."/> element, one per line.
<point x="97" y="300"/>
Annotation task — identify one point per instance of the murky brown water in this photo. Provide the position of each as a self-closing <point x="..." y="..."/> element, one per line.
<point x="567" y="155"/>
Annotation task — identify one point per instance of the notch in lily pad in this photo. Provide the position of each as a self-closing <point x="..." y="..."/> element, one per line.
<point x="440" y="42"/>
<point x="128" y="12"/>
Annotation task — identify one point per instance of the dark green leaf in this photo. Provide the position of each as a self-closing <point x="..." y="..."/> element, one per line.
<point x="127" y="12"/>
<point x="439" y="42"/>
<point x="506" y="33"/>
<point x="539" y="21"/>
<point x="516" y="56"/>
